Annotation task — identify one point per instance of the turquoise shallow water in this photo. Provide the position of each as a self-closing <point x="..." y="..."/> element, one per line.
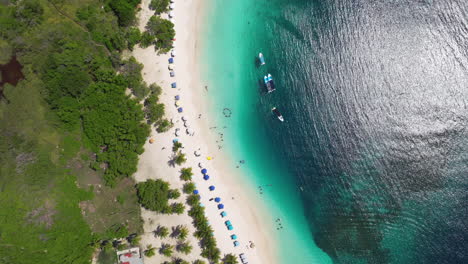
<point x="371" y="163"/>
<point x="232" y="40"/>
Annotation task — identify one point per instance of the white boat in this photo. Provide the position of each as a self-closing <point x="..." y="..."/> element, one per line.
<point x="270" y="85"/>
<point x="278" y="114"/>
<point x="261" y="58"/>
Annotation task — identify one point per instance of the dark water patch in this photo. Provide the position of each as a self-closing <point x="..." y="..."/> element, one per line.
<point x="374" y="94"/>
<point x="11" y="73"/>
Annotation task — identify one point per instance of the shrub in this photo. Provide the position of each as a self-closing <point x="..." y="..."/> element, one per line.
<point x="155" y="194"/>
<point x="163" y="32"/>
<point x="133" y="37"/>
<point x="159" y="6"/>
<point x="164" y="125"/>
<point x="154" y="111"/>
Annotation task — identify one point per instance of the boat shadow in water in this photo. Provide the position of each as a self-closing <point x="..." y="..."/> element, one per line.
<point x="261" y="87"/>
<point x="257" y="62"/>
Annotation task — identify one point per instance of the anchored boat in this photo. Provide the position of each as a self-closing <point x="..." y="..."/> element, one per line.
<point x="278" y="114"/>
<point x="270" y="85"/>
<point x="261" y="58"/>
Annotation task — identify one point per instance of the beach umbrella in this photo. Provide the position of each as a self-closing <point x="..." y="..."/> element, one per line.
<point x="174" y="85"/>
<point x="190" y="132"/>
<point x="206" y="177"/>
<point x="209" y="158"/>
<point x="223" y="214"/>
<point x="184" y="118"/>
<point x="217" y="199"/>
<point x="186" y="123"/>
<point x="171" y="67"/>
<point x="200" y="165"/>
<point x="197" y="153"/>
<point x="171" y="60"/>
<point x="230" y="227"/>
<point x="171" y="14"/>
<point x="151" y="141"/>
<point x="212" y="188"/>
<point x="236" y="243"/>
<point x="220" y="206"/>
<point x="202" y="205"/>
<point x="177" y="132"/>
<point x="173" y="53"/>
<point x="234" y="236"/>
<point x="180" y="110"/>
<point x="204" y="171"/>
<point x="177" y="103"/>
<point x="195" y="192"/>
<point x="172" y="21"/>
<point x="172" y="5"/>
<point x="177" y="97"/>
<point x="172" y="73"/>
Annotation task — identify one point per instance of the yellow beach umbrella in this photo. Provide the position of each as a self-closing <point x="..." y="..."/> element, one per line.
<point x="151" y="141"/>
<point x="208" y="158"/>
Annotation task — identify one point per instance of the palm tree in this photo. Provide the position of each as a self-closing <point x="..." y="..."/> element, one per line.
<point x="189" y="187"/>
<point x="230" y="259"/>
<point x="184" y="247"/>
<point x="183" y="232"/>
<point x="199" y="262"/>
<point x="176" y="146"/>
<point x="180" y="158"/>
<point x="193" y="200"/>
<point x="166" y="250"/>
<point x="161" y="232"/>
<point x="186" y="174"/>
<point x="175" y="231"/>
<point x="150" y="251"/>
<point x="178" y="208"/>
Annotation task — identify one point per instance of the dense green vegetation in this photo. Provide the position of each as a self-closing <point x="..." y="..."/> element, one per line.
<point x="186" y="174"/>
<point x="204" y="230"/>
<point x="159" y="32"/>
<point x="67" y="126"/>
<point x="159" y="6"/>
<point x="155" y="194"/>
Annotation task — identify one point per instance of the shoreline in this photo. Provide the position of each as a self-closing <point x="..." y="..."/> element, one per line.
<point x="236" y="194"/>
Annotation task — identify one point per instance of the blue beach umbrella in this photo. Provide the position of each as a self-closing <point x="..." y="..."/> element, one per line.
<point x="180" y="109"/>
<point x="236" y="243"/>
<point x="172" y="73"/>
<point x="175" y="140"/>
<point x="234" y="236"/>
<point x="177" y="97"/>
<point x="171" y="60"/>
<point x="230" y="227"/>
<point x="223" y="214"/>
<point x="212" y="188"/>
<point x="195" y="192"/>
<point x="206" y="177"/>
<point x="217" y="199"/>
<point x="204" y="171"/>
<point x="174" y="85"/>
<point x="220" y="206"/>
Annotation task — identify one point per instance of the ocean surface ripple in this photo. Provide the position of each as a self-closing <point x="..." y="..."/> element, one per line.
<point x="375" y="95"/>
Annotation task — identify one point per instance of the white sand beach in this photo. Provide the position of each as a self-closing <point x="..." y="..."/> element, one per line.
<point x="247" y="216"/>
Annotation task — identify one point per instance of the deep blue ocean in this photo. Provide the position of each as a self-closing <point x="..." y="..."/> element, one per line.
<point x="375" y="144"/>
